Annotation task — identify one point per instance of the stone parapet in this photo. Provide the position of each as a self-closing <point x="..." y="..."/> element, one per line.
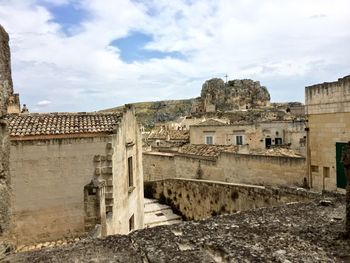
<point x="328" y="97"/>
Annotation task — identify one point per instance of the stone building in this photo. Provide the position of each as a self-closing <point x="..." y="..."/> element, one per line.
<point x="328" y="113"/>
<point x="73" y="171"/>
<point x="259" y="135"/>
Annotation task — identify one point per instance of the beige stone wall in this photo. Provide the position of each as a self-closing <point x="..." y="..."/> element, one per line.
<point x="330" y="97"/>
<point x="325" y="131"/>
<point x="48" y="179"/>
<point x="229" y="167"/>
<point x="158" y="166"/>
<point x="328" y="110"/>
<point x="198" y="199"/>
<point x="263" y="170"/>
<point x="127" y="201"/>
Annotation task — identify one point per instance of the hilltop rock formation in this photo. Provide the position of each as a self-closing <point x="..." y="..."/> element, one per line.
<point x="216" y="95"/>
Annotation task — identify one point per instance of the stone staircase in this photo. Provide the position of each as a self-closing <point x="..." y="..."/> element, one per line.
<point x="157" y="214"/>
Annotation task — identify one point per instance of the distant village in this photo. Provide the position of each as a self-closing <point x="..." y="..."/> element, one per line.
<point x="71" y="176"/>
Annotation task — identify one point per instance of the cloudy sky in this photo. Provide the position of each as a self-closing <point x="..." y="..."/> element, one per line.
<point x="85" y="55"/>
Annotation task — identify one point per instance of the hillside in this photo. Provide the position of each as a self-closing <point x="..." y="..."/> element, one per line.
<point x="149" y="113"/>
<point x="238" y="100"/>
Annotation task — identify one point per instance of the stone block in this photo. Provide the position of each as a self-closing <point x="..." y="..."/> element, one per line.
<point x="109" y="196"/>
<point x="109" y="157"/>
<point x="109" y="182"/>
<point x="107" y="170"/>
<point x="98" y="171"/>
<point x="109" y="146"/>
<point x="97" y="158"/>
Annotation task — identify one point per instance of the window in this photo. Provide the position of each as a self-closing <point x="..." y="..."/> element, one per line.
<point x="326" y="172"/>
<point x="209" y="139"/>
<point x="314" y="168"/>
<point x="131" y="223"/>
<point x="130" y="172"/>
<point x="278" y="141"/>
<point x="239" y="139"/>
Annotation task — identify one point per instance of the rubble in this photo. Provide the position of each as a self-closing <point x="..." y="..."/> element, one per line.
<point x="277" y="151"/>
<point x="296" y="232"/>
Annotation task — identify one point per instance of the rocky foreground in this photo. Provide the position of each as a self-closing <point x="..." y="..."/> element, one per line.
<point x="297" y="232"/>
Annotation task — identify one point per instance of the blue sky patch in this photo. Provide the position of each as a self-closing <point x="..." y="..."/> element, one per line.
<point x="69" y="16"/>
<point x="132" y="48"/>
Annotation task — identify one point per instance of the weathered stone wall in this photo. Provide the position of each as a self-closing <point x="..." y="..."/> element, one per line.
<point x="329" y="97"/>
<point x="198" y="199"/>
<point x="158" y="166"/>
<point x="128" y="201"/>
<point x="328" y="110"/>
<point x="48" y="179"/>
<point x="228" y="167"/>
<point x="325" y="131"/>
<point x="263" y="170"/>
<point x="6" y="90"/>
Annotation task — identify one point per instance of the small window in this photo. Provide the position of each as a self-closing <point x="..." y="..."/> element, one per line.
<point x="326" y="172"/>
<point x="239" y="140"/>
<point x="278" y="141"/>
<point x="314" y="168"/>
<point x="209" y="139"/>
<point x="131" y="223"/>
<point x="130" y="172"/>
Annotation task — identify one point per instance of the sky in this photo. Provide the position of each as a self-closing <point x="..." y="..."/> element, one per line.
<point x="87" y="55"/>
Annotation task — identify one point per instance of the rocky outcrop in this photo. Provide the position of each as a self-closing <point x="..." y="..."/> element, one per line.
<point x="236" y="94"/>
<point x="5" y="91"/>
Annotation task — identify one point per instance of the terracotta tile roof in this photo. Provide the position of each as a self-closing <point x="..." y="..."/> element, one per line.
<point x="162" y="134"/>
<point x="207" y="150"/>
<point x="61" y="123"/>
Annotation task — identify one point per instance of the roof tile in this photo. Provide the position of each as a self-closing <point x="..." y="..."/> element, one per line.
<point x="61" y="123"/>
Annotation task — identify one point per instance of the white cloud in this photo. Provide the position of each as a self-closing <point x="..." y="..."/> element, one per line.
<point x="272" y="41"/>
<point x="43" y="103"/>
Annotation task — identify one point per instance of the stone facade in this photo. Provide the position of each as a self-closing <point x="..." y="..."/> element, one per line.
<point x="60" y="154"/>
<point x="258" y="135"/>
<point x="328" y="112"/>
<point x="227" y="167"/>
<point x="6" y="90"/>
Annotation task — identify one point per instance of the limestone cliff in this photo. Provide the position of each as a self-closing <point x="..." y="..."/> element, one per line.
<point x="234" y="95"/>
